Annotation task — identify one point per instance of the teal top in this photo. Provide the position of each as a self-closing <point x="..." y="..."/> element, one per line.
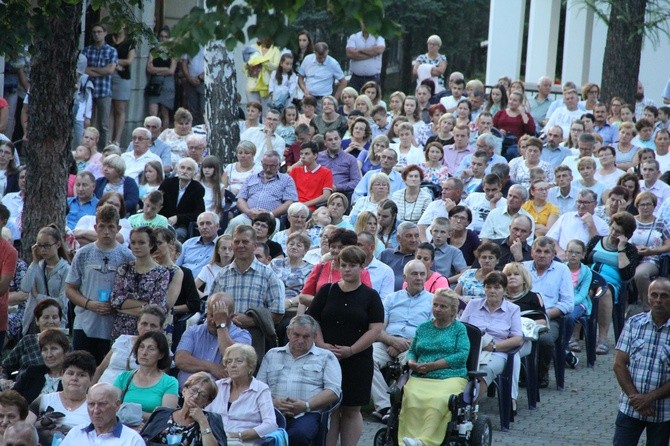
<point x="432" y="344"/>
<point x="138" y="220"/>
<point x="149" y="397"/>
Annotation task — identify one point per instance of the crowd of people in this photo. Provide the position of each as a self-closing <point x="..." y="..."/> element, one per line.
<point x="348" y="233"/>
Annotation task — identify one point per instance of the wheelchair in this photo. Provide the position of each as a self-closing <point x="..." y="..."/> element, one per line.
<point x="467" y="425"/>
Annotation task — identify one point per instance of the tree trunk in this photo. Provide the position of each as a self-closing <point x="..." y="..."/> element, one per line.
<point x="621" y="65"/>
<point x="53" y="80"/>
<point x="221" y="103"/>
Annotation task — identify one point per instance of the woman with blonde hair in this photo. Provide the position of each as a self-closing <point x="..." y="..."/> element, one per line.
<point x="443" y="135"/>
<point x="370" y="159"/>
<point x="235" y="174"/>
<point x="348" y="98"/>
<point x="367" y="221"/>
<point x="364" y="105"/>
<point x="379" y="190"/>
<point x="395" y="103"/>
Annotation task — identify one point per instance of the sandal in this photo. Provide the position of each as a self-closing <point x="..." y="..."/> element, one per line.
<point x="602" y="348"/>
<point x="574" y="346"/>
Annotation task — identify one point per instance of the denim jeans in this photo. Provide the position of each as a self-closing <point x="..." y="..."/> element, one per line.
<point x="628" y="431"/>
<point x="570" y="321"/>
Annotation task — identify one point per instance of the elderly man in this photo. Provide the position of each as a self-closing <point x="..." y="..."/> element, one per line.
<point x="183" y="198"/>
<point x="140" y="155"/>
<point x="196" y="146"/>
<point x="202" y="346"/>
<point x="552" y="280"/>
<point x="304" y="379"/>
<point x="563" y="116"/>
<point x="452" y="191"/>
<point x="157" y="146"/>
<point x="404" y="311"/>
<point x="102" y="401"/>
<point x="21" y="434"/>
<point x="642" y="371"/>
<point x="365" y="58"/>
<point x="265" y="138"/>
<point x="387" y="161"/>
<point x="84" y="202"/>
<point x="197" y="251"/>
<point x="381" y="275"/>
<point x="346" y="173"/>
<point x="408" y="241"/>
<point x="267" y="191"/>
<point x="250" y="283"/>
<point x="552" y="150"/>
<point x="514" y="248"/>
<point x="318" y="72"/>
<point x="13" y="408"/>
<point x="581" y="224"/>
<point x="486" y="142"/>
<point x="498" y="221"/>
<point x="539" y="104"/>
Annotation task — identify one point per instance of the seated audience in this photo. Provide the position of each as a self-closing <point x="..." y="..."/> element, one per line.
<point x="183" y="198"/>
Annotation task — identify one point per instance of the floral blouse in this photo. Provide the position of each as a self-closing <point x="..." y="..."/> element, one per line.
<point x="471" y="286"/>
<point x="435" y="175"/>
<point x="293" y="278"/>
<point x="150" y="287"/>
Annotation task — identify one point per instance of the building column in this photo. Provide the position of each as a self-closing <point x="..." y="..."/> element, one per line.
<point x="2" y="75"/>
<point x="577" y="43"/>
<point x="506" y="19"/>
<point x="543" y="21"/>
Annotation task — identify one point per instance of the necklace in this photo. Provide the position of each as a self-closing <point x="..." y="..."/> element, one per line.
<point x="405" y="205"/>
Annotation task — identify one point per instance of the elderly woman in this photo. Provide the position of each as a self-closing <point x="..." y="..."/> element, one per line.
<point x="625" y="150"/>
<point x="520" y="172"/>
<point x="437" y="358"/>
<point x="149" y="385"/>
<point x="244" y="403"/>
<point x="176" y="137"/>
<point x="351" y="316"/>
<point x="298" y="214"/>
<point x="190" y="423"/>
<point x="264" y="224"/>
<point x="46" y="274"/>
<point x="45" y="378"/>
<point x="471" y="282"/>
<point x="337" y="205"/>
<point x="329" y="119"/>
<point x="616" y="259"/>
<point x="235" y="174"/>
<point x="412" y="200"/>
<point x="78" y="369"/>
<point x="652" y="239"/>
<point x="379" y="189"/>
<point x="121" y="357"/>
<point x="432" y="64"/>
<point x="113" y="180"/>
<point x="361" y="132"/>
<point x="460" y="236"/>
<point x="47" y="314"/>
<point x="503" y="328"/>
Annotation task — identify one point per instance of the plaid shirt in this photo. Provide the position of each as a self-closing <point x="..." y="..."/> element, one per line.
<point x="648" y="348"/>
<point x="300" y="378"/>
<point x="99" y="58"/>
<point x="268" y="195"/>
<point x="26" y="353"/>
<point x="258" y="286"/>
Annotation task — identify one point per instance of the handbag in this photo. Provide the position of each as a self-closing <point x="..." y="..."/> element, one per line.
<point x="154" y="87"/>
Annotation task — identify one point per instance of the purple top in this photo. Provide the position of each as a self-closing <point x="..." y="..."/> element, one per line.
<point x="344" y="166"/>
<point x="503" y="323"/>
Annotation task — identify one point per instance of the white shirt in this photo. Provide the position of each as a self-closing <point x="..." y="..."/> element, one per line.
<point x="497" y="224"/>
<point x="382" y="277"/>
<point x="365" y="67"/>
<point x="660" y="189"/>
<point x="135" y="166"/>
<point x="480" y="208"/>
<point x="609" y="180"/>
<point x="664" y="162"/>
<point x="570" y="226"/>
<point x="563" y="118"/>
<point x="572" y="160"/>
<point x="85" y="434"/>
<point x="256" y="135"/>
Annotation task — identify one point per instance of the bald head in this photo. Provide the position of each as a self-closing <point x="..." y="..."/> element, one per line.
<point x="105" y="390"/>
<point x="21" y="433"/>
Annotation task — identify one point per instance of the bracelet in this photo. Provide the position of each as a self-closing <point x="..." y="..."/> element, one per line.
<point x="86" y="304"/>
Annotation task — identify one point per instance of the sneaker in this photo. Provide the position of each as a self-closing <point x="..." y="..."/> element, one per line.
<point x="382" y="415"/>
<point x="406" y="441"/>
<point x="571" y="360"/>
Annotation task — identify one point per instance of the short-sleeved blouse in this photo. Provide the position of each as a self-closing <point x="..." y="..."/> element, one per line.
<point x="292" y="277"/>
<point x="236" y="178"/>
<point x="411" y="211"/>
<point x="520" y="172"/>
<point x="650" y="235"/>
<point x="149" y="397"/>
<point x="434" y="175"/>
<point x="541" y="217"/>
<point x="471" y="285"/>
<point x="426" y="59"/>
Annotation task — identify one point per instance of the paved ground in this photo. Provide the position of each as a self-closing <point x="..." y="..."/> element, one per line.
<point x="582" y="414"/>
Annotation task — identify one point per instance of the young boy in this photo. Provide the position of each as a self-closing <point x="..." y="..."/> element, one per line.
<point x="449" y="261"/>
<point x="587" y="169"/>
<point x="153" y="203"/>
<point x="90" y="282"/>
<point x="81" y="155"/>
<point x="382" y="124"/>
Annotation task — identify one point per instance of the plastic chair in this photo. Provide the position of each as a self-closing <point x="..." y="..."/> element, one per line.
<point x="559" y="355"/>
<point x="324" y="423"/>
<point x="529" y="363"/>
<point x="503" y="385"/>
<point x="619" y="311"/>
<point x="589" y="323"/>
<point x="281" y="424"/>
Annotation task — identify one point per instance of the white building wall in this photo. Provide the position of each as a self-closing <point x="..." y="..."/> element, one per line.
<point x="505" y="39"/>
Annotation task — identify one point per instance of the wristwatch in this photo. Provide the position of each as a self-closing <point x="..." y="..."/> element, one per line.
<point x="206" y="431"/>
<point x="222" y="325"/>
<point x="494" y="346"/>
<point x="307" y="408"/>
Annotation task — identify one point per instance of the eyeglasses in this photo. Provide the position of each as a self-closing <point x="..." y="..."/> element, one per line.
<point x="197" y="392"/>
<point x="45" y="245"/>
<point x="269" y="166"/>
<point x="645" y="204"/>
<point x="584" y="203"/>
<point x="459" y="218"/>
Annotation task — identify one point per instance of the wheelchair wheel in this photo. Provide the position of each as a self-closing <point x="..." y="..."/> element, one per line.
<point x="381" y="438"/>
<point x="482" y="432"/>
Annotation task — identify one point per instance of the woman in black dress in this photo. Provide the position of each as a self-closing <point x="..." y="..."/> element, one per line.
<point x="351" y="316"/>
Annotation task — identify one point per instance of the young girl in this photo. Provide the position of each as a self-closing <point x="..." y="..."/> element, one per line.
<point x="463" y="111"/>
<point x="210" y="178"/>
<point x="497" y="100"/>
<point x="410" y="110"/>
<point x="348" y="97"/>
<point x="222" y="256"/>
<point x="581" y="281"/>
<point x="627" y="113"/>
<point x="283" y="83"/>
<point x="395" y="103"/>
<point x="286" y="129"/>
<point x="81" y="155"/>
<point x="320" y="219"/>
<point x="151" y="178"/>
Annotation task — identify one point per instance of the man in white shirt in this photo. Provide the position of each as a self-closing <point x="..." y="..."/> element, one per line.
<point x="564" y="116"/>
<point x="481" y="203"/>
<point x="365" y="58"/>
<point x="650" y="182"/>
<point x="582" y="224"/>
<point x="264" y="138"/>
<point x="496" y="225"/>
<point x="452" y="190"/>
<point x="141" y="155"/>
<point x="457" y="89"/>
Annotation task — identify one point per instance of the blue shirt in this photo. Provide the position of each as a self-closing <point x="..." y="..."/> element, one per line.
<point x="319" y="77"/>
<point x="100" y="58"/>
<point x="467" y="162"/>
<point x="363" y="186"/>
<point x="554" y="285"/>
<point x="609" y="133"/>
<point x="195" y="254"/>
<point x="404" y="313"/>
<point x="78" y="210"/>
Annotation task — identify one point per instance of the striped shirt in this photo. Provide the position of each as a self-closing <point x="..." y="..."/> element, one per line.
<point x="648" y="348"/>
